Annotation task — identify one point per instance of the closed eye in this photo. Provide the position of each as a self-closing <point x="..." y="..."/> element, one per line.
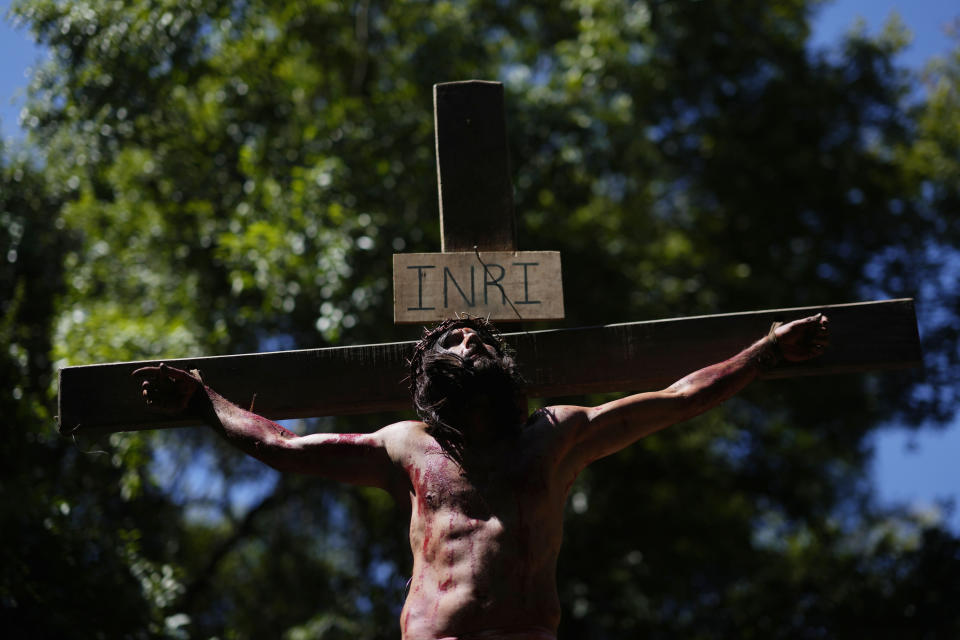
<point x="451" y="338"/>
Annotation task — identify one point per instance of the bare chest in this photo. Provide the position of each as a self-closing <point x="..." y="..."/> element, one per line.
<point x="495" y="489"/>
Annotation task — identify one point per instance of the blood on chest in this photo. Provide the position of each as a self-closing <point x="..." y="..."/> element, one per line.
<point x="441" y="484"/>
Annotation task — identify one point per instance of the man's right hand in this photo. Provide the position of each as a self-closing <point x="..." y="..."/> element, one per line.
<point x="167" y="390"/>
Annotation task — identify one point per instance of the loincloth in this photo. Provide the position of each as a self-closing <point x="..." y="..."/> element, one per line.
<point x="507" y="633"/>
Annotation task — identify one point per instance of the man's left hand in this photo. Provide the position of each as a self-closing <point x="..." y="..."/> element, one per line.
<point x="803" y="339"/>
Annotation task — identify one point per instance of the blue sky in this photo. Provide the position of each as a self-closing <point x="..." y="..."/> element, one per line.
<point x="926" y="19"/>
<point x="18" y="53"/>
<point x="914" y="469"/>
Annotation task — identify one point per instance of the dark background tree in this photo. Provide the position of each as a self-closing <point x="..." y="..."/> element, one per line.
<point x="213" y="177"/>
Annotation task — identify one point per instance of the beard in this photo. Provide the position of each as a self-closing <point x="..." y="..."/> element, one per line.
<point x="494" y="379"/>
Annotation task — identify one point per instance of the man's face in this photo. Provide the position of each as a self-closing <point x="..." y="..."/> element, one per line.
<point x="464" y="343"/>
<point x="454" y="367"/>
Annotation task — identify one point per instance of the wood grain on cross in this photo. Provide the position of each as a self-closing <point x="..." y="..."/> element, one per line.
<point x="473" y="170"/>
<point x="624" y="357"/>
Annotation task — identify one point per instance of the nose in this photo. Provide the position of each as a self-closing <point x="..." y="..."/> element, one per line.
<point x="470" y="339"/>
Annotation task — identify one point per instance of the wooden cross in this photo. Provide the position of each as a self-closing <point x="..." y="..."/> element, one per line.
<point x="623" y="357"/>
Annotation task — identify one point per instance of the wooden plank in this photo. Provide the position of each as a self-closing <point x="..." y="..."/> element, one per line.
<point x="279" y="384"/>
<point x="866" y="336"/>
<point x="624" y="357"/>
<point x="506" y="286"/>
<point x="473" y="175"/>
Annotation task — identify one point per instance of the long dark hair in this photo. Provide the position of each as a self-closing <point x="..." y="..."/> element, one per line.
<point x="443" y="385"/>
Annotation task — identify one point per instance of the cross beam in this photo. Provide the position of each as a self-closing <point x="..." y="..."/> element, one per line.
<point x="477" y="210"/>
<point x="633" y="356"/>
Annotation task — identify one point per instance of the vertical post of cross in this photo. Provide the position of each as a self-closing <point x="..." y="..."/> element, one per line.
<point x="473" y="169"/>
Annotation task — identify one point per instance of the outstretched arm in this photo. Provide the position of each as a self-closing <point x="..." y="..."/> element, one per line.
<point x="605" y="429"/>
<point x="362" y="459"/>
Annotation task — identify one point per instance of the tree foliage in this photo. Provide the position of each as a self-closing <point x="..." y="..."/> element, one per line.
<point x="220" y="176"/>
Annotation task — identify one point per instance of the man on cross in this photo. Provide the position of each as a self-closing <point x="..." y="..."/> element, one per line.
<point x="485" y="483"/>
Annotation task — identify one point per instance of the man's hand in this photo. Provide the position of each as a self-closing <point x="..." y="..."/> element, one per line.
<point x="803" y="339"/>
<point x="167" y="390"/>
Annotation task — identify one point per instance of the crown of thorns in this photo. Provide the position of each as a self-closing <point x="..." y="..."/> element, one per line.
<point x="488" y="333"/>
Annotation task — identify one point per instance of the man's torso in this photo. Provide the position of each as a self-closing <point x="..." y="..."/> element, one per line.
<point x="485" y="535"/>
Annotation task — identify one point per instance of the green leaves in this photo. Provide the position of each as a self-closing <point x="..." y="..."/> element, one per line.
<point x="211" y="177"/>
